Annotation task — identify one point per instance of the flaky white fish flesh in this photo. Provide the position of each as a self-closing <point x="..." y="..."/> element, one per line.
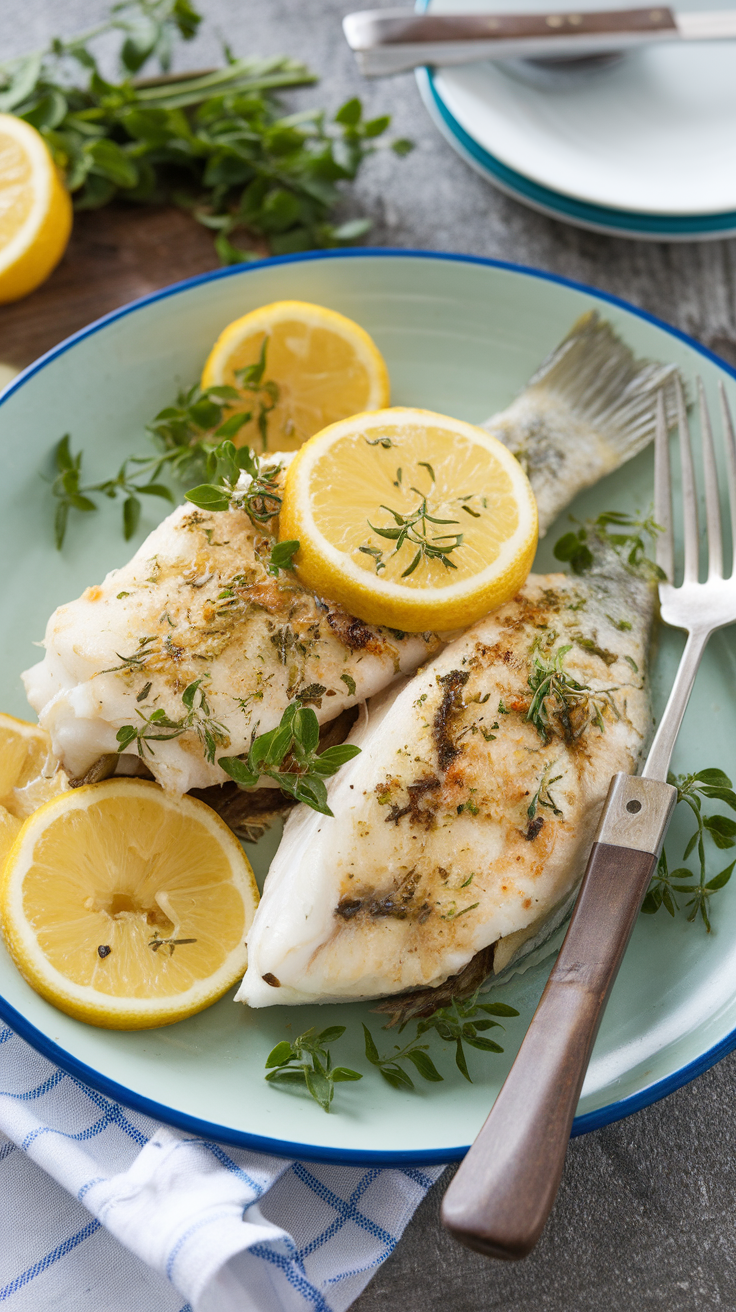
<point x="468" y="816"/>
<point x="197" y="602"/>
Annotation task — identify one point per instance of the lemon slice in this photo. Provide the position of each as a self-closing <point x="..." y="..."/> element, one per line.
<point x="35" y="210"/>
<point x="127" y="907"/>
<point x="465" y="503"/>
<point x="10" y="827"/>
<point x="29" y="772"/>
<point x="324" y="367"/>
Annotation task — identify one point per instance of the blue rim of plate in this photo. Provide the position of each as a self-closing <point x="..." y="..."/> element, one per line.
<point x="597" y="218"/>
<point x="614" y="1111"/>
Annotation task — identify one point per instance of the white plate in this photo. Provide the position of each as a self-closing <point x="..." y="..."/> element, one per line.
<point x="652" y="136"/>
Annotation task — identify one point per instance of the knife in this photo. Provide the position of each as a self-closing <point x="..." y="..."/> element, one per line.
<point x="387" y="41"/>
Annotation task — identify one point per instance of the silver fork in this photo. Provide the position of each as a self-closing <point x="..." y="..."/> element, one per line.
<point x="504" y="1190"/>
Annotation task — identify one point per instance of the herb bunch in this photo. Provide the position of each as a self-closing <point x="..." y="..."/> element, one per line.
<point x="307" y="1062"/>
<point x="577" y="547"/>
<point x="288" y="755"/>
<point x="217" y="144"/>
<point x="692" y="789"/>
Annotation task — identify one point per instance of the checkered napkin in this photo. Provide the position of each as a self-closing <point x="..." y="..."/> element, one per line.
<point x="174" y="1220"/>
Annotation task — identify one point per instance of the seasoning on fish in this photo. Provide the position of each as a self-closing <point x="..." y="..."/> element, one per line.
<point x="197" y="603"/>
<point x="467" y="818"/>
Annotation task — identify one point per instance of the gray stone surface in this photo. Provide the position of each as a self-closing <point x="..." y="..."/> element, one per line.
<point x="645" y="1216"/>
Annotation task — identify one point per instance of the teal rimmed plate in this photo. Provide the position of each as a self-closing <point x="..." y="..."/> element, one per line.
<point x="460" y="335"/>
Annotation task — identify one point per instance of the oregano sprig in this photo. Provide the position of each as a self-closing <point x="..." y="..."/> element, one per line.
<point x="692" y="789"/>
<point x="392" y="1072"/>
<point x="466" y="1021"/>
<point x="577" y="547"/>
<point x="288" y="755"/>
<point x="218" y="145"/>
<point x="307" y="1062"/>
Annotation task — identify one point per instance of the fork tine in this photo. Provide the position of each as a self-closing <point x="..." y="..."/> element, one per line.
<point x="689" y="493"/>
<point x="730" y="444"/>
<point x="664" y="547"/>
<point x="712" y="500"/>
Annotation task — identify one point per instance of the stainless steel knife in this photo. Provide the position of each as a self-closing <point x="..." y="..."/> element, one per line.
<point x="387" y="41"/>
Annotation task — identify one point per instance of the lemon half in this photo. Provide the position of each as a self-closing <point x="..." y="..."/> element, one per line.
<point x="35" y="209"/>
<point x="352" y="490"/>
<point x="127" y="907"/>
<point x="325" y="367"/>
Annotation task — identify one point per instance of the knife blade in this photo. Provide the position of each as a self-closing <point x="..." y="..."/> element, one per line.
<point x="387" y="41"/>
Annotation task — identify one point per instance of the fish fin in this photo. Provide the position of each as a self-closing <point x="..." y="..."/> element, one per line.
<point x="589" y="408"/>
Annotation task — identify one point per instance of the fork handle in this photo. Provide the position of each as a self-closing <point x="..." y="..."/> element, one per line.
<point x="503" y="1192"/>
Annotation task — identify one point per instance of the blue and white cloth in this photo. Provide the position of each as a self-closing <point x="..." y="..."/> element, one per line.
<point x="104" y="1210"/>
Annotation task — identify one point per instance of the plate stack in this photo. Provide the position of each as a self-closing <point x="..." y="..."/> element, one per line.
<point x="642" y="146"/>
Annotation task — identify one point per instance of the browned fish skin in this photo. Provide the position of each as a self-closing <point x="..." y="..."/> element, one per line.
<point x="464" y="820"/>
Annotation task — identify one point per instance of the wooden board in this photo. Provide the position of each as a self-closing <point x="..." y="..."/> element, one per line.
<point x="115" y="255"/>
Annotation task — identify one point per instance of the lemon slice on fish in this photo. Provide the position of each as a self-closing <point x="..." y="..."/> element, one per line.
<point x="410" y="519"/>
<point x="312" y="367"/>
<point x="127" y="907"/>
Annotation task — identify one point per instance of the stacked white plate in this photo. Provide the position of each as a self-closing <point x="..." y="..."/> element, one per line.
<point x="645" y="147"/>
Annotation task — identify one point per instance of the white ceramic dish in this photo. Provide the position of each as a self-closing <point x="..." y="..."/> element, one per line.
<point x="643" y="148"/>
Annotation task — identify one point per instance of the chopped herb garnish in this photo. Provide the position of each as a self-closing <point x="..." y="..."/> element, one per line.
<point x="349" y="682"/>
<point x="159" y="727"/>
<point x="560" y="703"/>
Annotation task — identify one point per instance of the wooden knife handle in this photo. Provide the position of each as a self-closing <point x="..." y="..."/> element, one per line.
<point x="503" y="1193"/>
<point x="390" y="29"/>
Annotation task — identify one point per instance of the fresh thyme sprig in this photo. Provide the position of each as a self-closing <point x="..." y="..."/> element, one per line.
<point x="631" y="545"/>
<point x="218" y="144"/>
<point x="561" y="698"/>
<point x="389" y="1066"/>
<point x="160" y="728"/>
<point x="307" y="1062"/>
<point x="288" y="755"/>
<point x="71" y="494"/>
<point x="412" y="528"/>
<point x="691" y="788"/>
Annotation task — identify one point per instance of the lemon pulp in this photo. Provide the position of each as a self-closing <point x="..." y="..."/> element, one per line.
<point x="410" y="518"/>
<point x="35" y="209"/>
<point x="127" y="907"/>
<point x="324" y="367"/>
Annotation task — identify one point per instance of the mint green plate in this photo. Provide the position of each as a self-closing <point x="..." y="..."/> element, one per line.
<point x="461" y="336"/>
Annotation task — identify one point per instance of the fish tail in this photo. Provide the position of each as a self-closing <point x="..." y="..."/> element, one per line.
<point x="605" y="385"/>
<point x="589" y="408"/>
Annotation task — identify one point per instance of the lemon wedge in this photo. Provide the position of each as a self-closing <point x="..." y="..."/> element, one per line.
<point x="10" y="827"/>
<point x="35" y="210"/>
<point x="410" y="519"/>
<point x="318" y="367"/>
<point x="29" y="772"/>
<point x="127" y="907"/>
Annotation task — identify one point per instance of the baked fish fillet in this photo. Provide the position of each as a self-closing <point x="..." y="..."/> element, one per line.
<point x="197" y="602"/>
<point x="468" y="816"/>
